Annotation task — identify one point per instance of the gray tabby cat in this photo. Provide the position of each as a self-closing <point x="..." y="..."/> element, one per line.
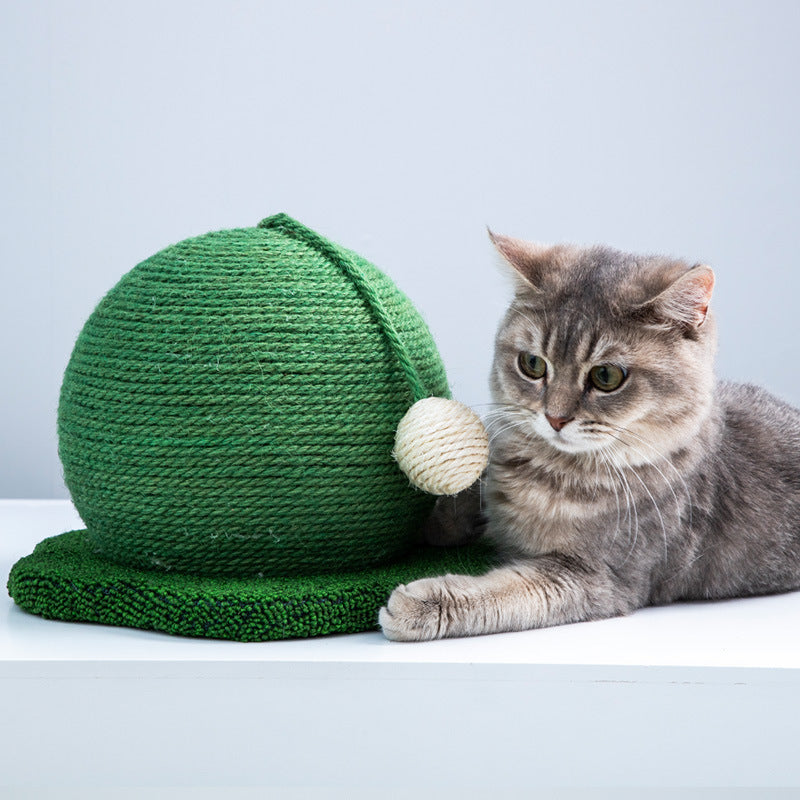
<point x="621" y="474"/>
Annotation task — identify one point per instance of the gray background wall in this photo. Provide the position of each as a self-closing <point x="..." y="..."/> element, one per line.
<point x="401" y="130"/>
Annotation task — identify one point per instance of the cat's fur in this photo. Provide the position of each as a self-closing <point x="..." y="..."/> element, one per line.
<point x="672" y="486"/>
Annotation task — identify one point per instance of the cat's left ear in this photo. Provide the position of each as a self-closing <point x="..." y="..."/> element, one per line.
<point x="686" y="300"/>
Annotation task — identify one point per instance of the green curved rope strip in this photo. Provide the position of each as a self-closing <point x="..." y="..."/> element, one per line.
<point x="284" y="222"/>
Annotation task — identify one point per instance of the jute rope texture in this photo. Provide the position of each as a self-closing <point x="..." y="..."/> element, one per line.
<point x="230" y="408"/>
<point x="441" y="445"/>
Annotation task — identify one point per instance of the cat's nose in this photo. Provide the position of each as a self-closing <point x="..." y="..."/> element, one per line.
<point x="557" y="423"/>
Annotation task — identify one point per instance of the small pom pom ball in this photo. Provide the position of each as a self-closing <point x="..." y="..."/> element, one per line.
<point x="441" y="445"/>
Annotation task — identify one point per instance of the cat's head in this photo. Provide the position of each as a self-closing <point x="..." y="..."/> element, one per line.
<point x="603" y="350"/>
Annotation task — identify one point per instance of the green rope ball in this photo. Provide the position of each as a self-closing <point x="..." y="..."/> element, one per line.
<point x="230" y="409"/>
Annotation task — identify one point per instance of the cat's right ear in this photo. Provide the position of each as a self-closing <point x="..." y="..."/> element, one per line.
<point x="528" y="259"/>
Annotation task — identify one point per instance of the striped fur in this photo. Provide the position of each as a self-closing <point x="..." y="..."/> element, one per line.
<point x="673" y="486"/>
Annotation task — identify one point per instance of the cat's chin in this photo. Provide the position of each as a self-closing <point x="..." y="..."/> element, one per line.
<point x="564" y="445"/>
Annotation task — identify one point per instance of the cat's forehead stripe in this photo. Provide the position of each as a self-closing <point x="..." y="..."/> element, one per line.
<point x="573" y="337"/>
<point x="568" y="339"/>
<point x="546" y="340"/>
<point x="575" y="340"/>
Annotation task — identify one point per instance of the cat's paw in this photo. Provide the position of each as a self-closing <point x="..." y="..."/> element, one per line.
<point x="416" y="612"/>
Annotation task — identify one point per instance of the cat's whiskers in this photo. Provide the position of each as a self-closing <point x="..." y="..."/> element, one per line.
<point x="604" y="461"/>
<point x="510" y="417"/>
<point x="649" y="463"/>
<point x="662" y="456"/>
<point x="501" y="411"/>
<point x="514" y="424"/>
<point x="614" y="448"/>
<point x="597" y="479"/>
<point x="631" y="500"/>
<point x="604" y="433"/>
<point x="501" y="406"/>
<point x="504" y="411"/>
<point x="655" y="506"/>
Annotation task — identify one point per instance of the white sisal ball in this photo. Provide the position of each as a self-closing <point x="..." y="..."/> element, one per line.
<point x="441" y="445"/>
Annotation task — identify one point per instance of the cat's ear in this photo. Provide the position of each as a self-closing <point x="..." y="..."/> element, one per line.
<point x="686" y="300"/>
<point x="528" y="259"/>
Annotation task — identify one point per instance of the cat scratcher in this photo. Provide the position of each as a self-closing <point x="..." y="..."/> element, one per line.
<point x="226" y="427"/>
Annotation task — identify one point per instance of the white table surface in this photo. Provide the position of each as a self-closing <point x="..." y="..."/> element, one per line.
<point x="700" y="694"/>
<point x="756" y="632"/>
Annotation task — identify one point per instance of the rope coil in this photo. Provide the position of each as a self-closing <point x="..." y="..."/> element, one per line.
<point x="286" y="224"/>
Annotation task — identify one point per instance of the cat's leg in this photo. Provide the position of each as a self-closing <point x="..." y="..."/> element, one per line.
<point x="547" y="590"/>
<point x="457" y="519"/>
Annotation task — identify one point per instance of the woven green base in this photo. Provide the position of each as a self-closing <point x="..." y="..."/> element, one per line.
<point x="64" y="579"/>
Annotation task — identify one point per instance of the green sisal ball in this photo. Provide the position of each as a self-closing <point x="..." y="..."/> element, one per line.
<point x="230" y="409"/>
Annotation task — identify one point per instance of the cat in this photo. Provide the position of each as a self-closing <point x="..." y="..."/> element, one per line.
<point x="622" y="473"/>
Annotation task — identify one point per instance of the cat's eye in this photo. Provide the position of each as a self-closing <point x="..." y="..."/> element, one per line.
<point x="607" y="377"/>
<point x="533" y="366"/>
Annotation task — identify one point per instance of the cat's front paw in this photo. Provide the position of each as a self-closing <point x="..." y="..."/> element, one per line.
<point x="416" y="612"/>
